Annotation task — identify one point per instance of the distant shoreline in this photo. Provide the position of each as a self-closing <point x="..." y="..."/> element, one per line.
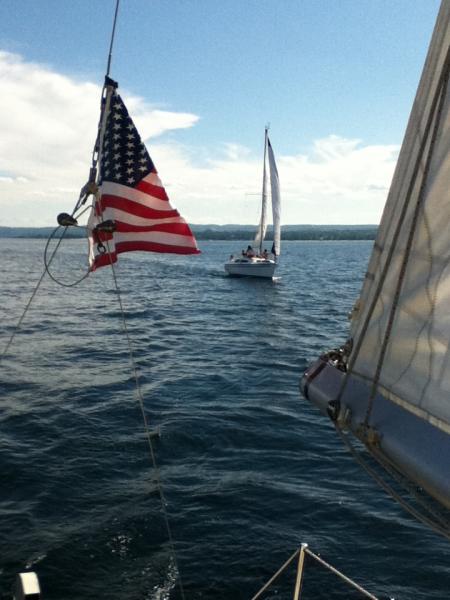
<point x="229" y="232"/>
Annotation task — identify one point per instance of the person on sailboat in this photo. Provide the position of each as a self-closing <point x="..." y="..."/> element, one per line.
<point x="265" y="254"/>
<point x="250" y="252"/>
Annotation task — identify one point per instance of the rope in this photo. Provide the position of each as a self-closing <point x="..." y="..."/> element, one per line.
<point x="47" y="265"/>
<point x="146" y="427"/>
<point x="28" y="304"/>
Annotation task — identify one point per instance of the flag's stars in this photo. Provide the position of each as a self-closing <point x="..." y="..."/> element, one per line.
<point x="116" y="156"/>
<point x="130" y="180"/>
<point x="130" y="170"/>
<point x="130" y="136"/>
<point x="116" y="136"/>
<point x="142" y="168"/>
<point x="117" y="126"/>
<point x="130" y="145"/>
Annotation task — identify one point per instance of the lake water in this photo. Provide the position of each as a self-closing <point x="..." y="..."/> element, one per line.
<point x="249" y="469"/>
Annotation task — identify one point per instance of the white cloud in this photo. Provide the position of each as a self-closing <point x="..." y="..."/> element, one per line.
<point x="49" y="121"/>
<point x="48" y="125"/>
<point x="338" y="181"/>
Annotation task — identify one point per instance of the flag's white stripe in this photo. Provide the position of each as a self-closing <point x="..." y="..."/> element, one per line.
<point x="125" y="217"/>
<point x="154" y="179"/>
<point x="123" y="191"/>
<point x="158" y="237"/>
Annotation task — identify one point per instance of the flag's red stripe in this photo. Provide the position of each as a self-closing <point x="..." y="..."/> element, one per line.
<point x="153" y="190"/>
<point x="154" y="247"/>
<point x="102" y="260"/>
<point x="178" y="228"/>
<point x="119" y="203"/>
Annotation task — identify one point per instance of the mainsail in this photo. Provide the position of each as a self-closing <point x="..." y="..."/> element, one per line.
<point x="276" y="204"/>
<point x="390" y="383"/>
<point x="130" y="198"/>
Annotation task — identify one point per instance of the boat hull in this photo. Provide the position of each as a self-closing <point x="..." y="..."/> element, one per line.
<point x="415" y="446"/>
<point x="242" y="268"/>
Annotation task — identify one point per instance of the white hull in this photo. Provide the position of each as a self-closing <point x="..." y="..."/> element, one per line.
<point x="247" y="267"/>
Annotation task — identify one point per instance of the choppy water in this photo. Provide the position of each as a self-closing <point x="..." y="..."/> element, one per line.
<point x="250" y="470"/>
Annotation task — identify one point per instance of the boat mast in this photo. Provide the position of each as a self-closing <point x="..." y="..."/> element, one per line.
<point x="108" y="67"/>
<point x="264" y="194"/>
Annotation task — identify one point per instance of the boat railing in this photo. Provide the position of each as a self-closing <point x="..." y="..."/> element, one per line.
<point x="300" y="554"/>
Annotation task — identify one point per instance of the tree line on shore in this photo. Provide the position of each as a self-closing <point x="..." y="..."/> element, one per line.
<point x="229" y="232"/>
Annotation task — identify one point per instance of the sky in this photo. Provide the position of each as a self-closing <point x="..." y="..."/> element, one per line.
<point x="335" y="79"/>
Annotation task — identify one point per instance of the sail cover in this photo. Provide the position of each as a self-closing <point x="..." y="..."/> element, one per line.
<point x="401" y="327"/>
<point x="131" y="195"/>
<point x="275" y="192"/>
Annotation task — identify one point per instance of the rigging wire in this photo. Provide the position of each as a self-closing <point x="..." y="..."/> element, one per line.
<point x="28" y="304"/>
<point x="47" y="263"/>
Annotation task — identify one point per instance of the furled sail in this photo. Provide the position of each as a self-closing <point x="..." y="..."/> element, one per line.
<point x="403" y="321"/>
<point x="275" y="193"/>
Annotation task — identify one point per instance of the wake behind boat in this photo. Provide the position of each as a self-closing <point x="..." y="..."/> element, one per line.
<point x="260" y="262"/>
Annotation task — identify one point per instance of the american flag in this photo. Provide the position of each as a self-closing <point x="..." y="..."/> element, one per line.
<point x="132" y="197"/>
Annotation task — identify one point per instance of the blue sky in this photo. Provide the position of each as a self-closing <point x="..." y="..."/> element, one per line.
<point x="335" y="79"/>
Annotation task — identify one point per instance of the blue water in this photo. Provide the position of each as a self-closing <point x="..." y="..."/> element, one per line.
<point x="249" y="469"/>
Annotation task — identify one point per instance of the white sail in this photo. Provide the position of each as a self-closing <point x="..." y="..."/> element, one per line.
<point x="401" y="329"/>
<point x="276" y="206"/>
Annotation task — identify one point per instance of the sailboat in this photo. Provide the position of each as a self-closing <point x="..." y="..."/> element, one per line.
<point x="259" y="262"/>
<point x="388" y="385"/>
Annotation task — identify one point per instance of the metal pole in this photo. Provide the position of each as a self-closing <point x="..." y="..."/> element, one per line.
<point x="301" y="564"/>
<point x="112" y="39"/>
